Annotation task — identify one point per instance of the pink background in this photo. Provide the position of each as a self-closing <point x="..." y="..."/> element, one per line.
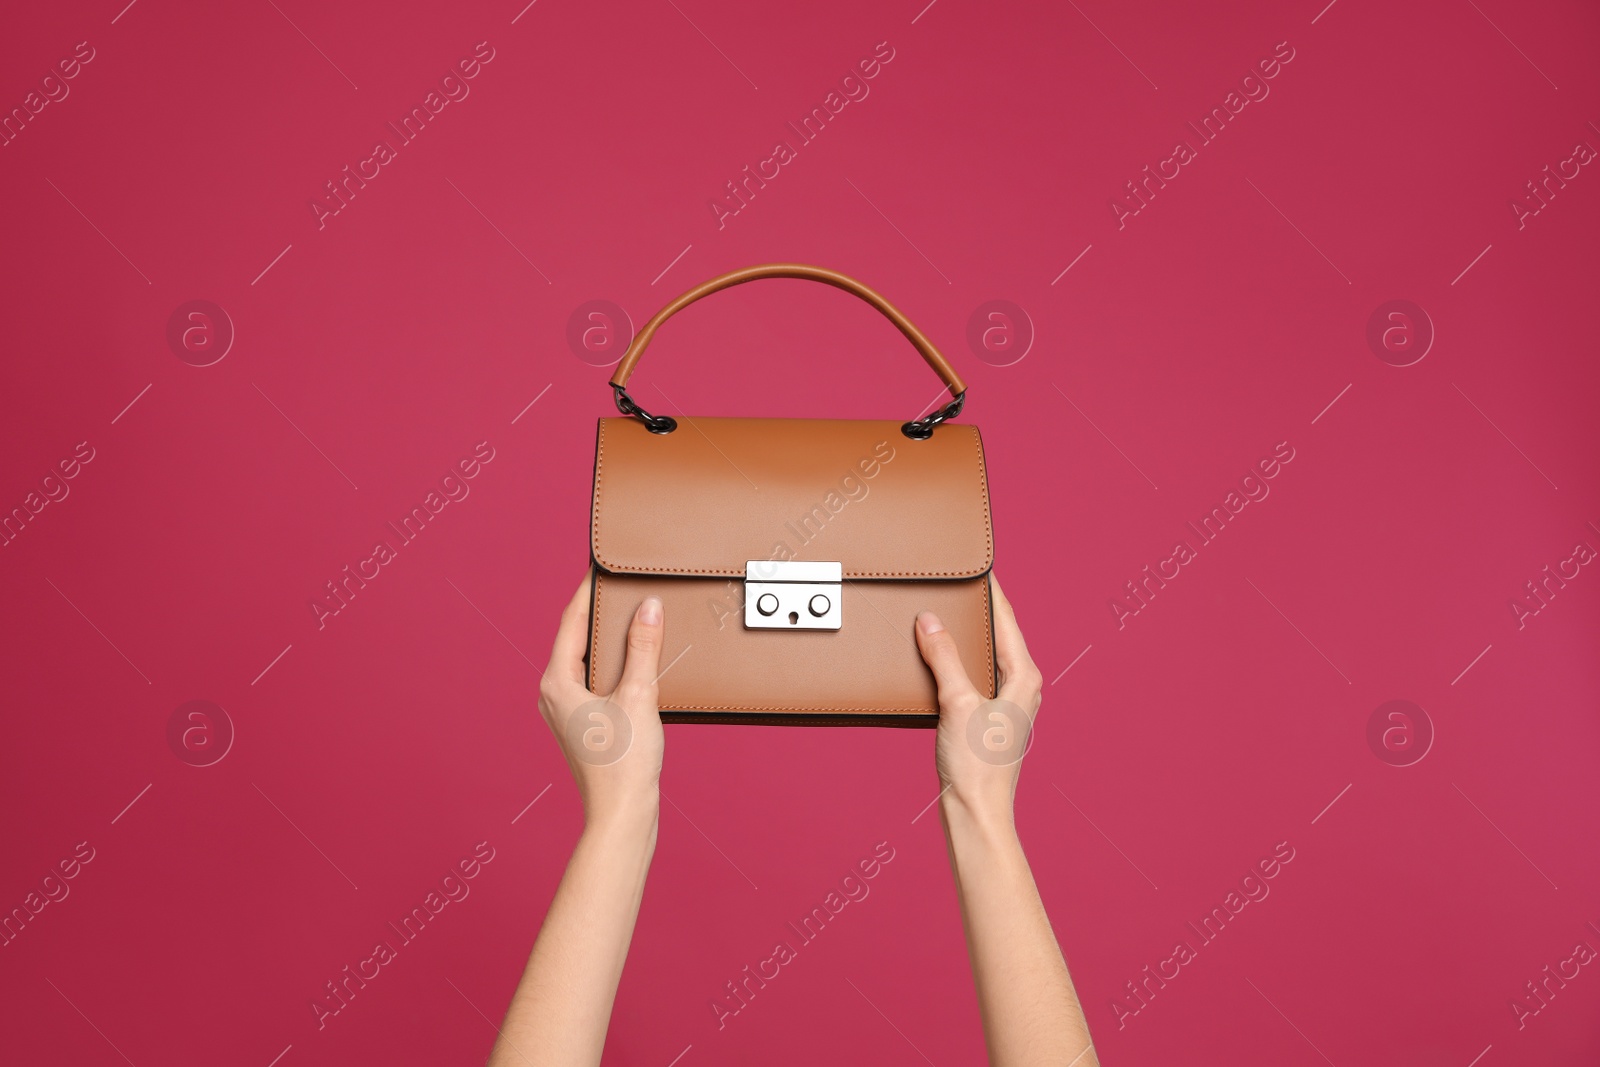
<point x="1229" y="715"/>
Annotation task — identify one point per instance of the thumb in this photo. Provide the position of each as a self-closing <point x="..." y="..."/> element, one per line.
<point x="944" y="659"/>
<point x="642" y="664"/>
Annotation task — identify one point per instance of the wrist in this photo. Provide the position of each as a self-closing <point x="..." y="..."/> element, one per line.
<point x="634" y="817"/>
<point x="984" y="814"/>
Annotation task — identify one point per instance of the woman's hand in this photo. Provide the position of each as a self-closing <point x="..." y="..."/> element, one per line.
<point x="613" y="743"/>
<point x="1030" y="1011"/>
<point x="559" y="1014"/>
<point x="978" y="761"/>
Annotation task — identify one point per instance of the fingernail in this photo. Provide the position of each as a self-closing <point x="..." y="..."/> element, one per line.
<point x="929" y="623"/>
<point x="650" y="611"/>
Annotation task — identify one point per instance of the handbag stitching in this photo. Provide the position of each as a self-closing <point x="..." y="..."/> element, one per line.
<point x="594" y="538"/>
<point x="922" y="721"/>
<point x="988" y="631"/>
<point x="798" y="711"/>
<point x="594" y="627"/>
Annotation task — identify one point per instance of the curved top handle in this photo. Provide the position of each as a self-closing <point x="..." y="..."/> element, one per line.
<point x="920" y="428"/>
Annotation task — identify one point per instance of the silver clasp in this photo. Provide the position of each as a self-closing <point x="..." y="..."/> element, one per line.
<point x="792" y="595"/>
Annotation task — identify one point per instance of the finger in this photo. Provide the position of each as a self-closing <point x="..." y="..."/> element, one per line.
<point x="1019" y="676"/>
<point x="572" y="636"/>
<point x="642" y="665"/>
<point x="1011" y="651"/>
<point x="939" y="651"/>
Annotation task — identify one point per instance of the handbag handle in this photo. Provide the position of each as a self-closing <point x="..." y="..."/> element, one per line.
<point x="919" y="429"/>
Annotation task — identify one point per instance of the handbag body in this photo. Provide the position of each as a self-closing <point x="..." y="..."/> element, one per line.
<point x="792" y="556"/>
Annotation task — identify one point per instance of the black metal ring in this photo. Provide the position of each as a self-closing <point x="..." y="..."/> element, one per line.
<point x="922" y="429"/>
<point x="653" y="423"/>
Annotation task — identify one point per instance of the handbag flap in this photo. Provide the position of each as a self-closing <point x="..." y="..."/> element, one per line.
<point x="716" y="493"/>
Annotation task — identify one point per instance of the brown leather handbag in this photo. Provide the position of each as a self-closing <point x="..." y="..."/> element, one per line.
<point x="792" y="555"/>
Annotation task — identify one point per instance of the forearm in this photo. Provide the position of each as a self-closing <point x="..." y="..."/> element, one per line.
<point x="1030" y="1011"/>
<point x="562" y="1006"/>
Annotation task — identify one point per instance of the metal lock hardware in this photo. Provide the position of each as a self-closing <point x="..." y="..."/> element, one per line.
<point x="792" y="595"/>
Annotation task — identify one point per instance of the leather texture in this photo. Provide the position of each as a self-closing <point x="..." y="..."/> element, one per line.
<point x="677" y="515"/>
<point x="929" y="352"/>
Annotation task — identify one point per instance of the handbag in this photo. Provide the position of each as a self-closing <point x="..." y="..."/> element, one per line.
<point x="792" y="556"/>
